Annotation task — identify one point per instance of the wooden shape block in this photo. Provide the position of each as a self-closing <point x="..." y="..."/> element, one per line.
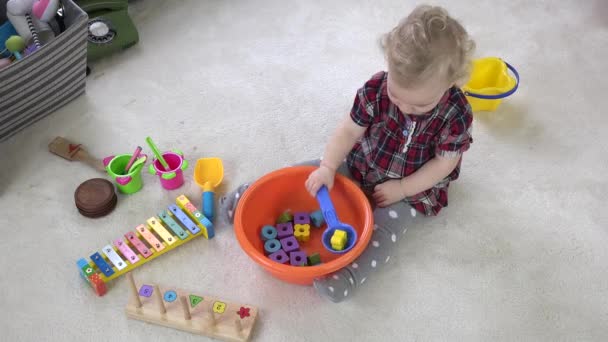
<point x="99" y="286"/>
<point x="222" y="325"/>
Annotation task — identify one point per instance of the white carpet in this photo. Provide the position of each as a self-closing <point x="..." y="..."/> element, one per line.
<point x="520" y="254"/>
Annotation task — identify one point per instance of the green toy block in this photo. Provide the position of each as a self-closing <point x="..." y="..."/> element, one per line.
<point x="285" y="217"/>
<point x="314" y="259"/>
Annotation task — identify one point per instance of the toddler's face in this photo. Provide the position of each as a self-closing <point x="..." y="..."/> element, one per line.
<point x="418" y="99"/>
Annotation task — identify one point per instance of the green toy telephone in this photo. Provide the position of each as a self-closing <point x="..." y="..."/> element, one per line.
<point x="110" y="27"/>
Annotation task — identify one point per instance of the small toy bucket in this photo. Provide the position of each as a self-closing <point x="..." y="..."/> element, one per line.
<point x="174" y="177"/>
<point x="490" y="82"/>
<point x="127" y="183"/>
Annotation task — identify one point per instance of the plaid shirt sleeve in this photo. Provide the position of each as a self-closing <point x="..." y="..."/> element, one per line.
<point x="365" y="106"/>
<point x="456" y="137"/>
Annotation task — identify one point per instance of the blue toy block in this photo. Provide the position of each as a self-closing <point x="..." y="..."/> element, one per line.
<point x="301" y="218"/>
<point x="317" y="218"/>
<point x="101" y="263"/>
<point x="284" y="230"/>
<point x="290" y="244"/>
<point x="272" y="246"/>
<point x="280" y="257"/>
<point x="297" y="258"/>
<point x="268" y="233"/>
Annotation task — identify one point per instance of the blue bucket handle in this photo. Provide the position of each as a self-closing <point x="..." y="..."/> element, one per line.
<point x="498" y="96"/>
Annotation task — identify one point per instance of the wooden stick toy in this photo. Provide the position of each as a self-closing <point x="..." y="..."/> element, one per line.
<point x="160" y="305"/>
<point x="170" y="229"/>
<point x="72" y="151"/>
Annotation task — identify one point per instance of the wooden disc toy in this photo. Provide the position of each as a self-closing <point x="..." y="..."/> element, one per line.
<point x="95" y="197"/>
<point x="73" y="151"/>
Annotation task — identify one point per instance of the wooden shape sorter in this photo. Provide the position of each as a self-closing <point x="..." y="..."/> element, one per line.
<point x="192" y="312"/>
<point x="143" y="244"/>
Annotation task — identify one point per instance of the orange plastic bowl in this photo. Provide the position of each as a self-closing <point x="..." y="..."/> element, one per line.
<point x="267" y="198"/>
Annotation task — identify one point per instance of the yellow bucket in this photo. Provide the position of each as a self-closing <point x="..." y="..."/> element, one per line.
<point x="490" y="82"/>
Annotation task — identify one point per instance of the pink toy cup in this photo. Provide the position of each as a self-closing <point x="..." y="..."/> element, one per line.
<point x="172" y="178"/>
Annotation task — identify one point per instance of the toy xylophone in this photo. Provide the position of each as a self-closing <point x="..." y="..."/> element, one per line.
<point x="195" y="313"/>
<point x="172" y="228"/>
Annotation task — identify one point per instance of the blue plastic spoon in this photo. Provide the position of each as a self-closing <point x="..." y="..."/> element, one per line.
<point x="331" y="218"/>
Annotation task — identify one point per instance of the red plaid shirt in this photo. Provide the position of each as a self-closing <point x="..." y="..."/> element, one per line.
<point x="395" y="145"/>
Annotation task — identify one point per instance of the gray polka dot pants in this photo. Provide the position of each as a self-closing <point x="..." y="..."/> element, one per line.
<point x="390" y="224"/>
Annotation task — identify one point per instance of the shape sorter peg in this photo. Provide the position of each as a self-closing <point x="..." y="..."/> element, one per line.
<point x="194" y="313"/>
<point x="144" y="243"/>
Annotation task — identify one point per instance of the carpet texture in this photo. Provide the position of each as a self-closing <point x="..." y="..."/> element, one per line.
<point x="519" y="255"/>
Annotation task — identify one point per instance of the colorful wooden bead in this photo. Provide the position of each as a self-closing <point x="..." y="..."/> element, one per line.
<point x="338" y="240"/>
<point x="301" y="218"/>
<point x="285" y="217"/>
<point x="269" y="233"/>
<point x="279" y="256"/>
<point x="314" y="259"/>
<point x="272" y="246"/>
<point x="297" y="258"/>
<point x="317" y="218"/>
<point x="301" y="232"/>
<point x="290" y="244"/>
<point x="284" y="230"/>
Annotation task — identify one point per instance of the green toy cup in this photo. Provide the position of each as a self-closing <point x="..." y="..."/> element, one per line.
<point x="127" y="183"/>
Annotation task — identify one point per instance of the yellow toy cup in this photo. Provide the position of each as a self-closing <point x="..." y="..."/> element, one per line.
<point x="490" y="82"/>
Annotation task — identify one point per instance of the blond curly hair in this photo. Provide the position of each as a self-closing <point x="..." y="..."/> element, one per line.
<point x="428" y="43"/>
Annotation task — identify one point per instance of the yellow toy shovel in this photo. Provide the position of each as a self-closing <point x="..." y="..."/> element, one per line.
<point x="208" y="174"/>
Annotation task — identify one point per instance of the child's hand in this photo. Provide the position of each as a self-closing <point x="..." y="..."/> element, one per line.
<point x="388" y="193"/>
<point x="319" y="177"/>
